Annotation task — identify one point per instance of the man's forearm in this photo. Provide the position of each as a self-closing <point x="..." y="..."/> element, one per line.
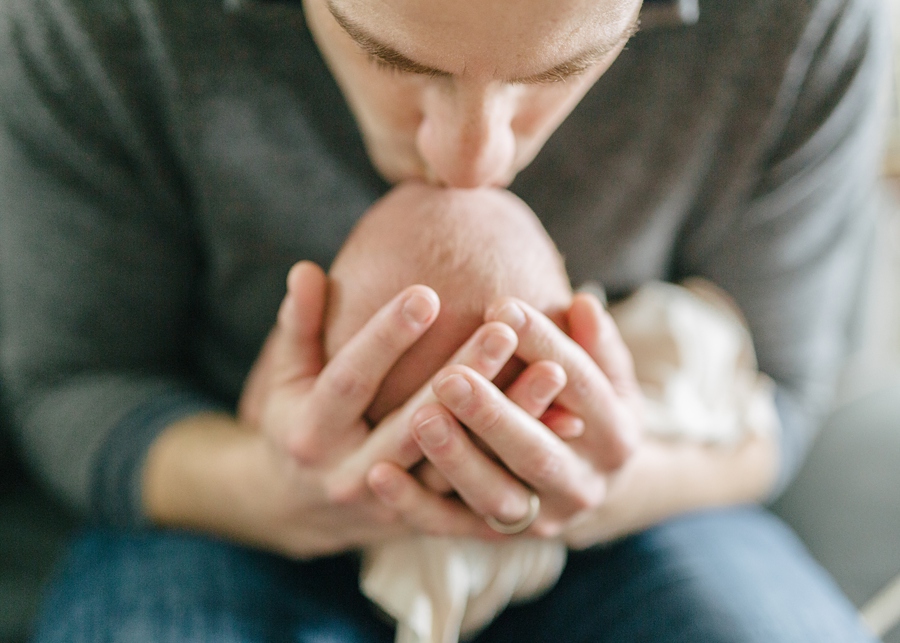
<point x="664" y="479"/>
<point x="197" y="476"/>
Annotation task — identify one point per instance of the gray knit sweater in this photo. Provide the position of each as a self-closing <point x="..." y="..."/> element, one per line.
<point x="163" y="163"/>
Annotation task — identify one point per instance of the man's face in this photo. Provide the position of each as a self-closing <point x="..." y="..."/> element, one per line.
<point x="465" y="93"/>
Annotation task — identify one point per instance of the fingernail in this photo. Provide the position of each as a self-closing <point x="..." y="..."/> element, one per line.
<point x="434" y="431"/>
<point x="496" y="346"/>
<point x="512" y="315"/>
<point x="455" y="389"/>
<point x="418" y="309"/>
<point x="570" y="428"/>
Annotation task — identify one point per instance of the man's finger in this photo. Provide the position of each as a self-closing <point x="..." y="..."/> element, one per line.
<point x="594" y="329"/>
<point x="536" y="388"/>
<point x="485" y="352"/>
<point x="563" y="423"/>
<point x="345" y="387"/>
<point x="483" y="484"/>
<point x="292" y="351"/>
<point x="426" y="512"/>
<point x="431" y="478"/>
<point x="522" y="443"/>
<point x="297" y="340"/>
<point x="588" y="393"/>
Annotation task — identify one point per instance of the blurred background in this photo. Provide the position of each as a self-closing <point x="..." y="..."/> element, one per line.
<point x="845" y="503"/>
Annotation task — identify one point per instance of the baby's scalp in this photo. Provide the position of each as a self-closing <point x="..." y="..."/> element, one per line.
<point x="470" y="246"/>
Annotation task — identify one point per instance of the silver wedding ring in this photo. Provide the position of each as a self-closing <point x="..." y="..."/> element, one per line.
<point x="517" y="527"/>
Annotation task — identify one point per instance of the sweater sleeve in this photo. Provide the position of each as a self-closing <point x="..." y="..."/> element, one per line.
<point x="795" y="253"/>
<point x="99" y="268"/>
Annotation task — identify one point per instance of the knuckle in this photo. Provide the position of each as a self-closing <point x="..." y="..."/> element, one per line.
<point x="583" y="384"/>
<point x="391" y="339"/>
<point x="487" y="417"/>
<point x="346" y="382"/>
<point x="617" y="455"/>
<point x="448" y="457"/>
<point x="589" y="495"/>
<point x="619" y="447"/>
<point x="581" y="500"/>
<point x="342" y="492"/>
<point x="542" y="342"/>
<point x="607" y="329"/>
<point x="545" y="469"/>
<point x="304" y="448"/>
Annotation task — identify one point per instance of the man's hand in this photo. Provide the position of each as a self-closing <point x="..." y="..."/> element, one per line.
<point x="608" y="482"/>
<point x="570" y="476"/>
<point x="315" y="410"/>
<point x="297" y="483"/>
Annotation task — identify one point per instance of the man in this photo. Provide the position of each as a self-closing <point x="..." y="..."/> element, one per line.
<point x="164" y="164"/>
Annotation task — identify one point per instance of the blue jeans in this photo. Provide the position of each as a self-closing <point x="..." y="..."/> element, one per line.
<point x="736" y="575"/>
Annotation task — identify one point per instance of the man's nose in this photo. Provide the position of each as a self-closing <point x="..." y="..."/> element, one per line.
<point x="466" y="137"/>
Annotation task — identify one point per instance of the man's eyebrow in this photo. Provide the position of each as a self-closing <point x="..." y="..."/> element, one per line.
<point x="379" y="50"/>
<point x="388" y="55"/>
<point x="578" y="63"/>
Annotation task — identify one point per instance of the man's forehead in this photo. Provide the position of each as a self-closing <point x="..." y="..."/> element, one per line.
<point x="504" y="38"/>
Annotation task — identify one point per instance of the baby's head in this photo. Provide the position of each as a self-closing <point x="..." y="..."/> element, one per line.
<point x="470" y="246"/>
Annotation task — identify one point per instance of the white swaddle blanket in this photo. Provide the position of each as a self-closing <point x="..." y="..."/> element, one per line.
<point x="695" y="362"/>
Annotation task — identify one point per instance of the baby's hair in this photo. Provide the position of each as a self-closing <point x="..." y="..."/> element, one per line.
<point x="470" y="246"/>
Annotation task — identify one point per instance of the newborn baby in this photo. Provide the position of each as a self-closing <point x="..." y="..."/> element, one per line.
<point x="693" y="357"/>
<point x="471" y="247"/>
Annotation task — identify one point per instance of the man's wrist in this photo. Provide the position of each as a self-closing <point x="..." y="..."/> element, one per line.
<point x="667" y="478"/>
<point x="189" y="464"/>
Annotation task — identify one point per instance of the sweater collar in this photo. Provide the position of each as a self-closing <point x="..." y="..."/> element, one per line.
<point x="657" y="14"/>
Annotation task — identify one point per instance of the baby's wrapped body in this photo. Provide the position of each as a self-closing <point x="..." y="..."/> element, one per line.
<point x="693" y="357"/>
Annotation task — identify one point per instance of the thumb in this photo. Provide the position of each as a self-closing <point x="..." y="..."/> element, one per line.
<point x="293" y="349"/>
<point x="296" y="342"/>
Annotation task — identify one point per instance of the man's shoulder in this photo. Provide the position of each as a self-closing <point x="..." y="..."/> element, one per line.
<point x="95" y="21"/>
<point x="759" y="19"/>
<point x="759" y="44"/>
